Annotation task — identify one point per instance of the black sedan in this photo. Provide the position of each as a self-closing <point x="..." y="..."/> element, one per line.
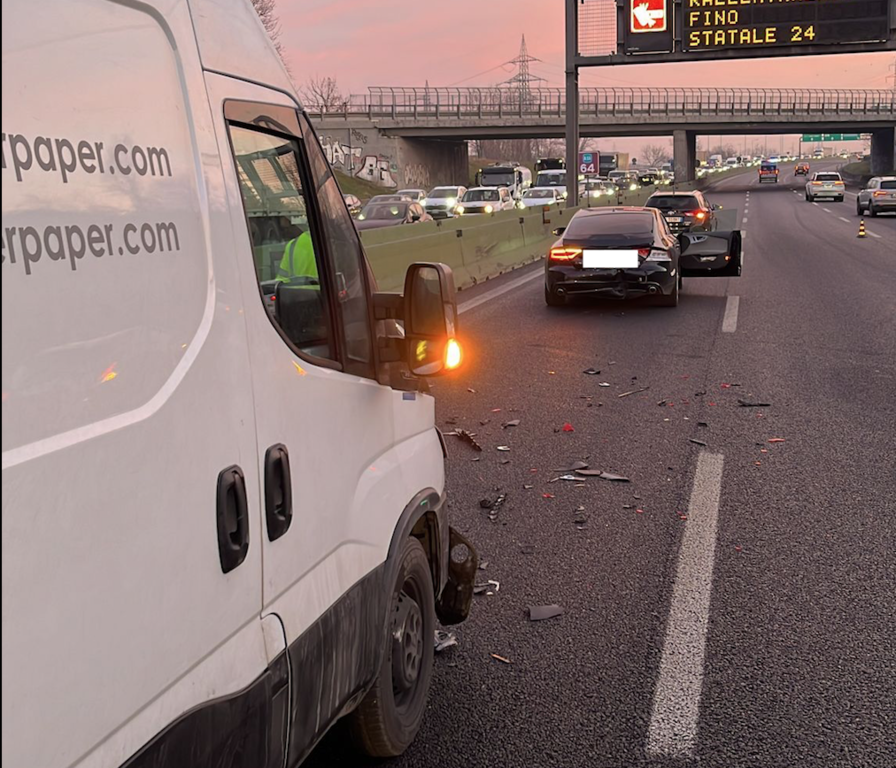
<point x="379" y="215"/>
<point x="684" y="211"/>
<point x="627" y="252"/>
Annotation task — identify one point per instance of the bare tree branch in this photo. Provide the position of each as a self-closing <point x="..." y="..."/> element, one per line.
<point x="654" y="154"/>
<point x="267" y="12"/>
<point x="322" y="94"/>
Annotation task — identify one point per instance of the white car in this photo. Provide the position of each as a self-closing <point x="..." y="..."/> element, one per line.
<point x="825" y="184"/>
<point x="541" y="197"/>
<point x="416" y="195"/>
<point x="878" y="196"/>
<point x="441" y="202"/>
<point x="485" y="200"/>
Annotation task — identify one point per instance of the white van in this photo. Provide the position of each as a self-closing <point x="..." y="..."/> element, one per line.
<point x="224" y="515"/>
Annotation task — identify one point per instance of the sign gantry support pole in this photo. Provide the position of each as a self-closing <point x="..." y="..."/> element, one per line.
<point x="572" y="103"/>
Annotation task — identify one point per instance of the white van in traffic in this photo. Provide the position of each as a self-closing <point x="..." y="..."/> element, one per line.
<point x="224" y="514"/>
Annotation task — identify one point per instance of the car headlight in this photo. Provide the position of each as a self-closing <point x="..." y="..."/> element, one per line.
<point x="424" y="202"/>
<point x="451" y="202"/>
<point x="460" y="209"/>
<point x="633" y="187"/>
<point x="361" y="217"/>
<point x="488" y="209"/>
<point x="596" y="193"/>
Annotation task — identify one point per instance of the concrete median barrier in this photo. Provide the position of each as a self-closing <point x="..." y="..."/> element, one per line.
<point x="477" y="247"/>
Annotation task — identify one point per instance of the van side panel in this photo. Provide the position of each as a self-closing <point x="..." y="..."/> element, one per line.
<point x="125" y="388"/>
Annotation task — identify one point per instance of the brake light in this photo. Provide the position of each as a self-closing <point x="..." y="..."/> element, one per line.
<point x="562" y="253"/>
<point x="700" y="215"/>
<point x="643" y="252"/>
<point x="816" y="183"/>
<point x="880" y="193"/>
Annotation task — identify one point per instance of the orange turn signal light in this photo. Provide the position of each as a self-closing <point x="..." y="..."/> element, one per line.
<point x="454" y="354"/>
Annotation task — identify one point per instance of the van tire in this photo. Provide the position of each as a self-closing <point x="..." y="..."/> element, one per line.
<point x="383" y="725"/>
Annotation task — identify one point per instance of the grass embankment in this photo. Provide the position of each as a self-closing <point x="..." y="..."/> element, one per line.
<point x="351" y="185"/>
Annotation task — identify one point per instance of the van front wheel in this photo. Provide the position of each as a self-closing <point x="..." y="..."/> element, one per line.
<point x="387" y="720"/>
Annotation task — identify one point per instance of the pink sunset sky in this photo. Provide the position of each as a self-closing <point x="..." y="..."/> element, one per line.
<point x="363" y="43"/>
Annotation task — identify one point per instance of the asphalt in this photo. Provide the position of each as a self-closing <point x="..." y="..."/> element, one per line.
<point x="799" y="665"/>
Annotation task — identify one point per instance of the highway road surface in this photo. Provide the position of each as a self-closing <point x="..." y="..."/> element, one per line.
<point x="734" y="605"/>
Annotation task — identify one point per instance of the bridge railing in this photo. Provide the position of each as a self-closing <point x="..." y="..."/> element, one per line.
<point x="488" y="103"/>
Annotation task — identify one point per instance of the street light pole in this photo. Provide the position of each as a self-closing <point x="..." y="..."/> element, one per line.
<point x="572" y="103"/>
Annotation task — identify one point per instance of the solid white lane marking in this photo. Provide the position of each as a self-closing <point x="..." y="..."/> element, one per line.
<point x="843" y="218"/>
<point x="816" y="204"/>
<point x="489" y="295"/>
<point x="827" y="210"/>
<point x="676" y="705"/>
<point x="729" y="321"/>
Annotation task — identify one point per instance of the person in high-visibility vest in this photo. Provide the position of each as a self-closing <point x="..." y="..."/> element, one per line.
<point x="298" y="265"/>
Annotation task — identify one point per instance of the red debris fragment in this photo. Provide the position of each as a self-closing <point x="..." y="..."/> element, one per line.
<point x="568" y="427"/>
<point x="639" y="511"/>
<point x="738" y="549"/>
<point x="726" y="386"/>
<point x="547" y="495"/>
<point x="776" y="440"/>
<point x="496" y="410"/>
<point x="712" y="403"/>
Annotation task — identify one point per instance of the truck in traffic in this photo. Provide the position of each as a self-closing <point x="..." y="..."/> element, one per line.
<point x="515" y="177"/>
<point x="553" y="178"/>
<point x="224" y="512"/>
<point x="549" y="164"/>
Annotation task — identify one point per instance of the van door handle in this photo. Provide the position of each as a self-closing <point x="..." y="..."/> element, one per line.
<point x="233" y="518"/>
<point x="277" y="491"/>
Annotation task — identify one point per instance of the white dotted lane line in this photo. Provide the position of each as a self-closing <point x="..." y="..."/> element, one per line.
<point x="672" y="731"/>
<point x="843" y="218"/>
<point x="874" y="234"/>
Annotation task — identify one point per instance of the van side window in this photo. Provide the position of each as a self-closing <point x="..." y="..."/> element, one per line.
<point x="285" y="244"/>
<point x="346" y="257"/>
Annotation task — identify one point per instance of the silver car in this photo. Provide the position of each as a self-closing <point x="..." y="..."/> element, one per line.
<point x="879" y="196"/>
<point x="825" y="184"/>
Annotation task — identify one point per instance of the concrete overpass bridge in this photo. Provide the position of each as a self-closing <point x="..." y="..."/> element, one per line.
<point x="410" y="128"/>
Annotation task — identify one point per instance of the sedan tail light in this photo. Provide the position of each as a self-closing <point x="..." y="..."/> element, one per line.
<point x="880" y="193"/>
<point x="562" y="253"/>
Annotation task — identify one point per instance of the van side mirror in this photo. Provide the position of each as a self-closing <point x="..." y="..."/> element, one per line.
<point x="430" y="318"/>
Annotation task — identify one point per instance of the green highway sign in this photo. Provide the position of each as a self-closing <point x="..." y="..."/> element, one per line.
<point x="809" y="137"/>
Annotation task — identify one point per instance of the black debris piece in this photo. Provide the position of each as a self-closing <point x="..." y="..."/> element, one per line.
<point x="602" y="475"/>
<point x="527" y="549"/>
<point x="451" y="420"/>
<point x="697" y="442"/>
<point x="662" y="402"/>
<point x="486" y="503"/>
<point x="749" y="404"/>
<point x="700" y="393"/>
<point x="505" y="461"/>
<point x="702" y="424"/>
<point x="542" y="612"/>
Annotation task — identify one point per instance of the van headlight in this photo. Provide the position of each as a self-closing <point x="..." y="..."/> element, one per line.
<point x="451" y="202"/>
<point x="488" y="209"/>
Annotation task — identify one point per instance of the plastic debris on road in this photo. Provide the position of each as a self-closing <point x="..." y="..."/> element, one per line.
<point x="604" y="384"/>
<point x="568" y="427"/>
<point x="465" y="437"/>
<point x="444" y="640"/>
<point x="777" y="440"/>
<point x="602" y="475"/>
<point x="512" y="423"/>
<point x="542" y="612"/>
<point x="574" y="466"/>
<point x="591" y="372"/>
<point x="501" y="658"/>
<point x="503" y="447"/>
<point x="633" y="392"/>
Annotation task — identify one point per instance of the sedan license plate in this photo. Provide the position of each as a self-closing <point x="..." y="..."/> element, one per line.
<point x="675" y="219"/>
<point x="610" y="259"/>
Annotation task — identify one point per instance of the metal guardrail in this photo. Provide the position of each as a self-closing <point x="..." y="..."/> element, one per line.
<point x="488" y="103"/>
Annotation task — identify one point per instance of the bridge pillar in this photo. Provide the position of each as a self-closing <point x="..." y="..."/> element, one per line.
<point x="393" y="162"/>
<point x="684" y="154"/>
<point x="883" y="160"/>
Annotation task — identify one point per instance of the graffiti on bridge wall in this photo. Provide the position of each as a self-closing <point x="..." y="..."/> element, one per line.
<point x="416" y="175"/>
<point x="352" y="160"/>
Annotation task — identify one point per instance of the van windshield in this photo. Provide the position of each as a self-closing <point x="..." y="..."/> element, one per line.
<point x="480" y="195"/>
